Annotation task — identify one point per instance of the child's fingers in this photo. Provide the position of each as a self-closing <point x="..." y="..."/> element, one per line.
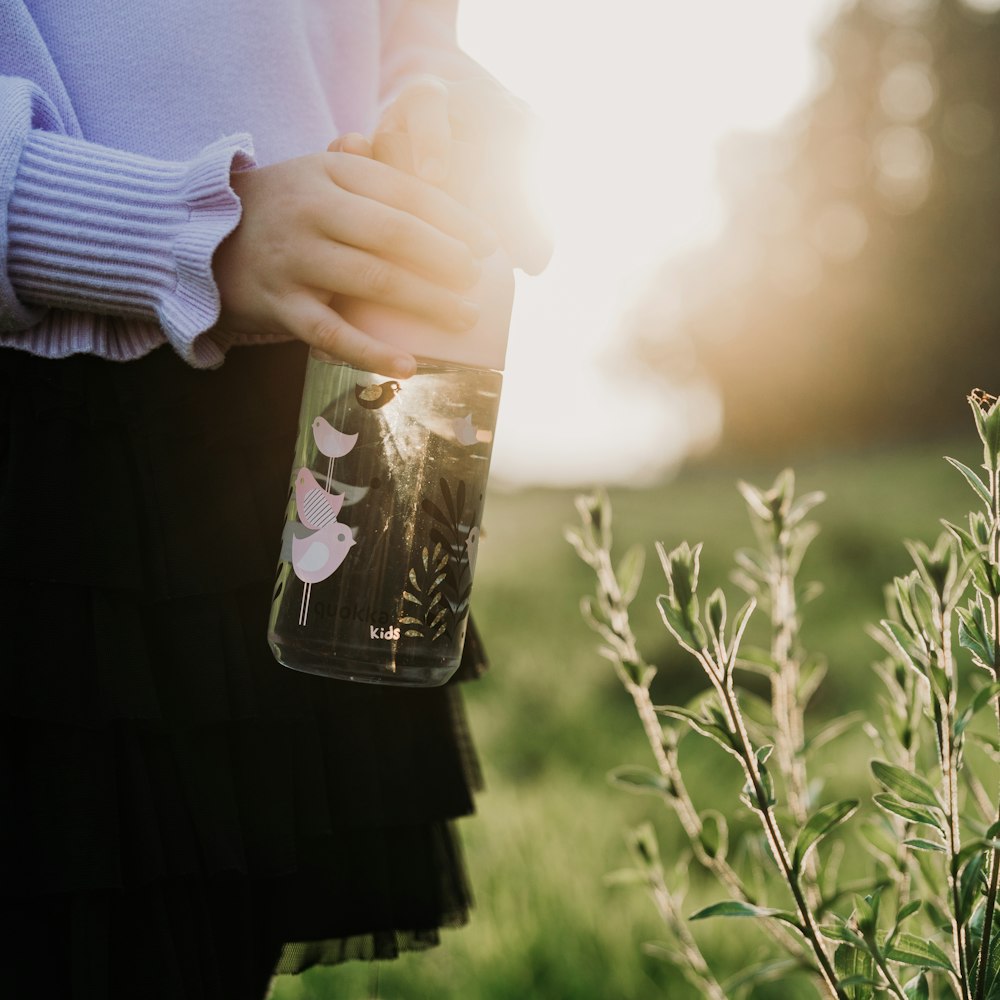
<point x="351" y="142"/>
<point x="400" y="237"/>
<point x="345" y="270"/>
<point x="318" y="325"/>
<point x="423" y="110"/>
<point x="398" y="190"/>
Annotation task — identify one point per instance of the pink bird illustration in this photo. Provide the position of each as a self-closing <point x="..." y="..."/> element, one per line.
<point x="331" y="442"/>
<point x="318" y="556"/>
<point x="316" y="507"/>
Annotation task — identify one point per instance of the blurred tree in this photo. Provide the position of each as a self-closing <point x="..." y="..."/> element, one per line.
<point x="854" y="295"/>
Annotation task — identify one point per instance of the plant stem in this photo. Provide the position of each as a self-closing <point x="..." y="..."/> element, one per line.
<point x="696" y="969"/>
<point x="684" y="808"/>
<point x="894" y="984"/>
<point x="774" y="835"/>
<point x="789" y="736"/>
<point x="627" y="650"/>
<point x="984" y="948"/>
<point x="680" y="799"/>
<point x="787" y="712"/>
<point x="949" y="772"/>
<point x="991" y="896"/>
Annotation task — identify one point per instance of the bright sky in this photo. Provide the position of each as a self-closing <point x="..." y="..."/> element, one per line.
<point x="634" y="97"/>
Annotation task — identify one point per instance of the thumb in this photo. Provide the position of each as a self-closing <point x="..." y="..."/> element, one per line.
<point x="424" y="109"/>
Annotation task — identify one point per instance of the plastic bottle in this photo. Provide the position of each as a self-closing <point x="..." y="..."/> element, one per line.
<point x="387" y="493"/>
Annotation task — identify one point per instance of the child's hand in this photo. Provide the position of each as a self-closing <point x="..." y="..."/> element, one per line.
<point x="481" y="113"/>
<point x="334" y="224"/>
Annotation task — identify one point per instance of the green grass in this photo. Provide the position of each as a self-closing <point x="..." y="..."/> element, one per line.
<point x="551" y="720"/>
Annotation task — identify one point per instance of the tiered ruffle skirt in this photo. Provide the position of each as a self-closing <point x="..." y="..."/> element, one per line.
<point x="180" y="814"/>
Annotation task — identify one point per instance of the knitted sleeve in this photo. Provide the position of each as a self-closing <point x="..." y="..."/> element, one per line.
<point x="104" y="251"/>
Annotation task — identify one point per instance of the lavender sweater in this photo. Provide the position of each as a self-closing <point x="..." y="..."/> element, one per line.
<point x="120" y="124"/>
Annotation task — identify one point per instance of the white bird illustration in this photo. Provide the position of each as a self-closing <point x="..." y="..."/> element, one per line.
<point x="465" y="431"/>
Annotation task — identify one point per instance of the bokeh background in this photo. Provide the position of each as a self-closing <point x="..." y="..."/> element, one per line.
<point x="778" y="244"/>
<point x="763" y="210"/>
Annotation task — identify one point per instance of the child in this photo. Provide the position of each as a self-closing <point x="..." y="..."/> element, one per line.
<point x="182" y="816"/>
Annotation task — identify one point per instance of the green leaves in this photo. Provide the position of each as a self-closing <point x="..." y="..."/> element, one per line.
<point x="908" y="949"/>
<point x="681" y="566"/>
<point x="629" y="573"/>
<point x="715" y="615"/>
<point x="909" y="796"/>
<point x="867" y="950"/>
<point x="983" y="697"/>
<point x="607" y="612"/>
<point x="978" y="486"/>
<point x="968" y="886"/>
<point x="680" y="611"/>
<point x="737" y="908"/>
<point x="821" y="823"/>
<point x="913" y="834"/>
<point x="714" y="835"/>
<point x="679" y="606"/>
<point x="908" y="786"/>
<point x="920" y="606"/>
<point x="974" y="634"/>
<point x="641" y="780"/>
<point x="991" y="974"/>
<point x="938" y="568"/>
<point x="915" y="814"/>
<point x="986" y="411"/>
<point x="594" y="533"/>
<point x="709" y="722"/>
<point x="760" y="797"/>
<point x="974" y="547"/>
<point x="643" y="846"/>
<point x="778" y="506"/>
<point x="912" y="647"/>
<point x="856" y="969"/>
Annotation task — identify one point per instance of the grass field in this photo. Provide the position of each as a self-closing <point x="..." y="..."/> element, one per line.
<point x="551" y="720"/>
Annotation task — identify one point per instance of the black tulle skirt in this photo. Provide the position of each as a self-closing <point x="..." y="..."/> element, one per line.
<point x="181" y="815"/>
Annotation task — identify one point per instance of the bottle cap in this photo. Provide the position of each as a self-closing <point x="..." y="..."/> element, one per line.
<point x="485" y="344"/>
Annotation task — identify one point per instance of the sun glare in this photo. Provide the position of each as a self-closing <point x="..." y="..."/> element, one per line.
<point x="633" y="98"/>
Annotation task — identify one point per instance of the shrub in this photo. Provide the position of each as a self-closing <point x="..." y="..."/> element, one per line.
<point x="920" y="923"/>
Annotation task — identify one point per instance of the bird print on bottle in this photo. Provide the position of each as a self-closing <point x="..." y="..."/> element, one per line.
<point x="332" y="443"/>
<point x="374" y="397"/>
<point x="465" y="431"/>
<point x="318" y="556"/>
<point x="316" y="507"/>
<point x="352" y="494"/>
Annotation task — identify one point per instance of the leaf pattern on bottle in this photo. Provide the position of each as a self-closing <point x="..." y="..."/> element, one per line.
<point x="425" y="610"/>
<point x="450" y="533"/>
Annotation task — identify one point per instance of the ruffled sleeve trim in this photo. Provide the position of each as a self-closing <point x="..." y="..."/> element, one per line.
<point x="97" y="230"/>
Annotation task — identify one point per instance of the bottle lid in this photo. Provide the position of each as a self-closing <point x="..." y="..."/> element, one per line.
<point x="485" y="344"/>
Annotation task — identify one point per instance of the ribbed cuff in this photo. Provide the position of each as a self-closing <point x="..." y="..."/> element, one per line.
<point x="103" y="231"/>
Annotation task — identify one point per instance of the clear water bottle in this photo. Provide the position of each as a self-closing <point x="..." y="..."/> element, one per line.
<point x="386" y="499"/>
